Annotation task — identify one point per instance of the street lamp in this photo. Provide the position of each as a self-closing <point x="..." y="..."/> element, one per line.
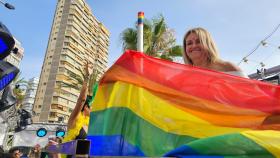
<point x="7" y="5"/>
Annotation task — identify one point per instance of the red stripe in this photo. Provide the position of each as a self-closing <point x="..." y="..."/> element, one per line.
<point x="141" y="14"/>
<point x="211" y="85"/>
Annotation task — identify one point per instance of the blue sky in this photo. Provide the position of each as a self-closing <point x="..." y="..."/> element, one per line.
<point x="236" y="26"/>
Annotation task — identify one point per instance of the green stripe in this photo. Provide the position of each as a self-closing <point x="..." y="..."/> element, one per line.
<point x="121" y="121"/>
<point x="155" y="142"/>
<point x="94" y="90"/>
<point x="230" y="145"/>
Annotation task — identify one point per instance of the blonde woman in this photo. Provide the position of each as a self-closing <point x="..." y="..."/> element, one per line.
<point x="201" y="51"/>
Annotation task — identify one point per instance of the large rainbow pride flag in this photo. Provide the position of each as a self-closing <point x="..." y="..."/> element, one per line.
<point x="150" y="107"/>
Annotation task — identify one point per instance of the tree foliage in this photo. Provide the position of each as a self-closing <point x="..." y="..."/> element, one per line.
<point x="159" y="40"/>
<point x="20" y="85"/>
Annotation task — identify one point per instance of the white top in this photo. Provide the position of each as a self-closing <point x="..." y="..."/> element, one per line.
<point x="237" y="73"/>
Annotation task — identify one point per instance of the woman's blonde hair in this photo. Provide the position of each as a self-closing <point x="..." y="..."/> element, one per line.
<point x="206" y="41"/>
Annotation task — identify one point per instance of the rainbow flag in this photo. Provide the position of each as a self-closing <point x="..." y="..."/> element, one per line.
<point x="150" y="107"/>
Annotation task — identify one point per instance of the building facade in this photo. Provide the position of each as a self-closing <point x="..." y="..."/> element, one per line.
<point x="76" y="36"/>
<point x="28" y="101"/>
<point x="16" y="55"/>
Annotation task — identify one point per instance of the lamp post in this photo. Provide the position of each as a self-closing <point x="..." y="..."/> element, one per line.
<point x="7" y="5"/>
<point x="140" y="27"/>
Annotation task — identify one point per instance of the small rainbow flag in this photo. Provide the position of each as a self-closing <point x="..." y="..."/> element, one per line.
<point x="150" y="107"/>
<point x="140" y="18"/>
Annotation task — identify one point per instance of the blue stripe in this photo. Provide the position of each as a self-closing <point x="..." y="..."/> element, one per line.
<point x="112" y="146"/>
<point x="187" y="152"/>
<point x="140" y="20"/>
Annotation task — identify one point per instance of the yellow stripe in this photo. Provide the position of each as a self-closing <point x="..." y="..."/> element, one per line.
<point x="118" y="73"/>
<point x="267" y="138"/>
<point x="156" y="111"/>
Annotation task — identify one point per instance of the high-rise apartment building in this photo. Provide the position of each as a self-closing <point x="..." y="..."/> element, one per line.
<point x="76" y="36"/>
<point x="28" y="101"/>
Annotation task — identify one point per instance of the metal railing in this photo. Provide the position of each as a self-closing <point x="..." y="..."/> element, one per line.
<point x="76" y="148"/>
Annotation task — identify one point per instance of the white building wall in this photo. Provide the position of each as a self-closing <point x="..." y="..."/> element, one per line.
<point x="29" y="98"/>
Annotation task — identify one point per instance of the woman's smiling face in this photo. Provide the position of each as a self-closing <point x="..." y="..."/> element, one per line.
<point x="194" y="48"/>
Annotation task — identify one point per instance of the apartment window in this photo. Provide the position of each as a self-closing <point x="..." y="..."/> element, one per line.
<point x="61" y="69"/>
<point x="55" y="98"/>
<point x="66" y="43"/>
<point x="52" y="114"/>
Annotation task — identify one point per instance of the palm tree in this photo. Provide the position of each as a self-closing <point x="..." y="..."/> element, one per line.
<point x="159" y="40"/>
<point x="19" y="85"/>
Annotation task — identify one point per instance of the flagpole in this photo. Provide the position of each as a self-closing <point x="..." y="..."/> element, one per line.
<point x="140" y="32"/>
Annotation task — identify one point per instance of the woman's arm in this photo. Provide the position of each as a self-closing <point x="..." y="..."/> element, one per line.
<point x="78" y="107"/>
<point x="81" y="100"/>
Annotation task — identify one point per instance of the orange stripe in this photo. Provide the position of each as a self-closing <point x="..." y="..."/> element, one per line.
<point x="223" y="116"/>
<point x="216" y="113"/>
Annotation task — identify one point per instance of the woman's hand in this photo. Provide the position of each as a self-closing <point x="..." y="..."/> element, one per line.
<point x="88" y="69"/>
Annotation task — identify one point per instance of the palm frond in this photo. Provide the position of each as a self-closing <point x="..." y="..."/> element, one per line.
<point x="166" y="57"/>
<point x="129" y="38"/>
<point x="159" y="40"/>
<point x="176" y="51"/>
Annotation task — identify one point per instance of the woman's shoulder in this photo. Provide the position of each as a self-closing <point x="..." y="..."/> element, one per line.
<point x="230" y="68"/>
<point x="226" y="66"/>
